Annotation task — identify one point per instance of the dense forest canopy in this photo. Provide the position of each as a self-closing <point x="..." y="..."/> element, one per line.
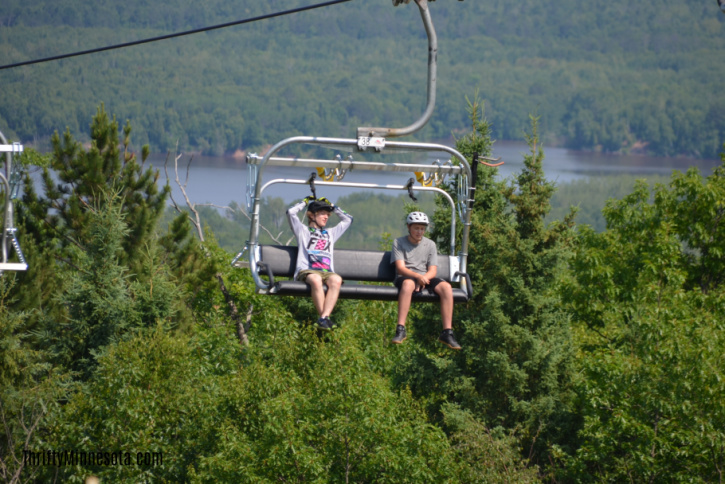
<point x="621" y="76"/>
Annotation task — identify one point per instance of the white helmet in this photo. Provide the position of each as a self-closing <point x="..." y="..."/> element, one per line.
<point x="417" y="218"/>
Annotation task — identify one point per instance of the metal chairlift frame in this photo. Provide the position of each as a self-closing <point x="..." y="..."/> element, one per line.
<point x="10" y="192"/>
<point x="372" y="139"/>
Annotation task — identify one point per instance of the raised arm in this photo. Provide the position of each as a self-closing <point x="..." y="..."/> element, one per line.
<point x="294" y="221"/>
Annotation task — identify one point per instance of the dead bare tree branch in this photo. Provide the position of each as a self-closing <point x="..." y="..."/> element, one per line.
<point x="196" y="219"/>
<point x="241" y="326"/>
<point x="6" y="473"/>
<point x="244" y="212"/>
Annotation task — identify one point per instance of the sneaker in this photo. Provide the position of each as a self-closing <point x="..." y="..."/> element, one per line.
<point x="400" y="334"/>
<point x="447" y="339"/>
<point x="324" y="324"/>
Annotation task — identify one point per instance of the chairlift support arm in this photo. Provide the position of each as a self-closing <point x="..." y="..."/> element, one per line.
<point x="369" y="132"/>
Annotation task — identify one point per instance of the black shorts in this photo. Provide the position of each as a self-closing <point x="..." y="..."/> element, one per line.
<point x="398" y="282"/>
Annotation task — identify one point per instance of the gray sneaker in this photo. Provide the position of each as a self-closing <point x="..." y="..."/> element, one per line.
<point x="400" y="334"/>
<point x="447" y="339"/>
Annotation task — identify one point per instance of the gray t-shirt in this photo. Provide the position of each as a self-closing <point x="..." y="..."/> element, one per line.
<point x="418" y="257"/>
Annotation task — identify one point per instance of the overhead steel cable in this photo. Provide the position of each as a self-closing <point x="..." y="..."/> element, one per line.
<point x="179" y="34"/>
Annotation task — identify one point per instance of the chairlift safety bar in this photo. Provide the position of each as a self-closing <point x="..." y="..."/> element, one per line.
<point x="255" y="159"/>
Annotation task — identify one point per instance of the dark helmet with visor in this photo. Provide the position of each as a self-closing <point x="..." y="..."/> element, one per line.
<point x="317" y="205"/>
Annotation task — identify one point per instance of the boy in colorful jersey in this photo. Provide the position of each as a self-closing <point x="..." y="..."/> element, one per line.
<point x="314" y="257"/>
<point x="416" y="265"/>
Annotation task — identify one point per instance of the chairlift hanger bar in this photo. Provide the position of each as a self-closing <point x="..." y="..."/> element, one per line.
<point x="432" y="76"/>
<point x="377" y="144"/>
<point x="268" y="160"/>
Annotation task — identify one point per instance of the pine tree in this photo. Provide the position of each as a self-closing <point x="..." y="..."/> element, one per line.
<point x="102" y="302"/>
<point x="515" y="368"/>
<point x="50" y="222"/>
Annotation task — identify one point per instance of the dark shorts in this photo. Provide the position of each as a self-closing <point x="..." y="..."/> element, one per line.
<point x="398" y="282"/>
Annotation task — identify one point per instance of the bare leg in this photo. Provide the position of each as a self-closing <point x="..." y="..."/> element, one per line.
<point x="318" y="291"/>
<point x="405" y="296"/>
<point x="333" y="291"/>
<point x="445" y="292"/>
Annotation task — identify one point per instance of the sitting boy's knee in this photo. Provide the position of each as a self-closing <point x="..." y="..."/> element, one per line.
<point x="444" y="288"/>
<point x="407" y="285"/>
<point x="314" y="280"/>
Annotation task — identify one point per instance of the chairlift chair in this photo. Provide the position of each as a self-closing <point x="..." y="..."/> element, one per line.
<point x="366" y="266"/>
<point x="10" y="180"/>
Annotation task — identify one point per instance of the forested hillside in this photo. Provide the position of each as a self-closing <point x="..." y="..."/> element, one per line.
<point x="616" y="76"/>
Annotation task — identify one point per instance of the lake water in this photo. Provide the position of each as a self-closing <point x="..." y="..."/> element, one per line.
<point x="220" y="180"/>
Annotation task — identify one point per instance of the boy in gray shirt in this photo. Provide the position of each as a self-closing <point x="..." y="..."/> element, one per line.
<point x="314" y="256"/>
<point x="416" y="265"/>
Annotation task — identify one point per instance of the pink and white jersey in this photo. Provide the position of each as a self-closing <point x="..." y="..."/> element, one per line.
<point x="316" y="245"/>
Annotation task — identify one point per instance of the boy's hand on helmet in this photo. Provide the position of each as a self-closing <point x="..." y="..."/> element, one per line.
<point x="308" y="199"/>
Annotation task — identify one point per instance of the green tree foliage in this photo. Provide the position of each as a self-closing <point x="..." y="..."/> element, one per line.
<point x="515" y="369"/>
<point x="84" y="175"/>
<point x="189" y="262"/>
<point x="29" y="390"/>
<point x="289" y="407"/>
<point x="590" y="196"/>
<point x="341" y="424"/>
<point x="107" y="277"/>
<point x="153" y="393"/>
<point x="490" y="456"/>
<point x="647" y="298"/>
<point x="103" y="303"/>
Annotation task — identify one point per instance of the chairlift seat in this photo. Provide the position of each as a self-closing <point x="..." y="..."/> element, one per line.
<point x="355" y="267"/>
